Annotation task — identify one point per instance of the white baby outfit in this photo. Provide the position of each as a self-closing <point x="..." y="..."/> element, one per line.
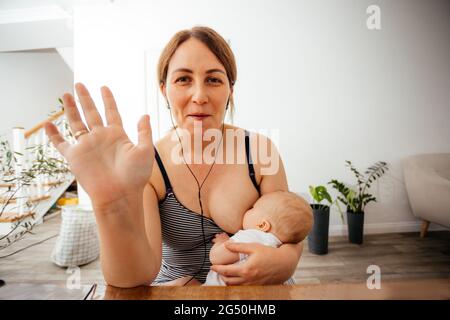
<point x="244" y="236"/>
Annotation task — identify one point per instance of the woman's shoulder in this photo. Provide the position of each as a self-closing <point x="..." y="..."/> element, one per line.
<point x="253" y="133"/>
<point x="163" y="141"/>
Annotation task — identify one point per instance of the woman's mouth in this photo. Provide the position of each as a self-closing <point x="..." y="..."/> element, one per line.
<point x="198" y="116"/>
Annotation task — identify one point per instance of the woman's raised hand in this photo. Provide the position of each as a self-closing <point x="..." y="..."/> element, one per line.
<point x="104" y="160"/>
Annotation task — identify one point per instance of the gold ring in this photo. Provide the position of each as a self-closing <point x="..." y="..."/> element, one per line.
<point x="80" y="133"/>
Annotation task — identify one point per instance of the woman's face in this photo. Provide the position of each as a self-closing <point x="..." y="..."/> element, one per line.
<point x="197" y="86"/>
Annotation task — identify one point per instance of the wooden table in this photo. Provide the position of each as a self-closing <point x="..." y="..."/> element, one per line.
<point x="411" y="289"/>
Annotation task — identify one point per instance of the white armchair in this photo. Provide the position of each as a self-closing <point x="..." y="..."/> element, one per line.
<point x="427" y="180"/>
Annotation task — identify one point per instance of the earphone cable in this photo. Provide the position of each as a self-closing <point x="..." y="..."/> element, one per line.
<point x="199" y="189"/>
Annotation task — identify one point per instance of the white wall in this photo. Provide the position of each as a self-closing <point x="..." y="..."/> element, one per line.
<point x="333" y="88"/>
<point x="30" y="84"/>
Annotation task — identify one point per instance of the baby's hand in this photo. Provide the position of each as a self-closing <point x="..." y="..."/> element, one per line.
<point x="220" y="237"/>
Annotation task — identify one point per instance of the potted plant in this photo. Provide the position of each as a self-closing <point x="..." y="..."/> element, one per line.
<point x="318" y="236"/>
<point x="356" y="200"/>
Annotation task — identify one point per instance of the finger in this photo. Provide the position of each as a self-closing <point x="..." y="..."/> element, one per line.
<point x="240" y="247"/>
<point x="53" y="134"/>
<point x="233" y="281"/>
<point x="111" y="112"/>
<point x="231" y="270"/>
<point x="91" y="114"/>
<point x="72" y="114"/>
<point x="145" y="133"/>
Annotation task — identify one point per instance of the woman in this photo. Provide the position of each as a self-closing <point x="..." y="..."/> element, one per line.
<point x="143" y="196"/>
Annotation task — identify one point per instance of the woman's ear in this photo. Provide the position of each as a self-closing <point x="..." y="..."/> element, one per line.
<point x="264" y="225"/>
<point x="230" y="97"/>
<point x="162" y="87"/>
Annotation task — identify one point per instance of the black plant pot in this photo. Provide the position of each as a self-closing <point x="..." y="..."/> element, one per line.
<point x="355" y="221"/>
<point x="318" y="237"/>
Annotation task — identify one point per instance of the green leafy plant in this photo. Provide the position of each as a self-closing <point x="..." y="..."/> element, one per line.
<point x="356" y="199"/>
<point x="319" y="194"/>
<point x="42" y="165"/>
<point x="6" y="158"/>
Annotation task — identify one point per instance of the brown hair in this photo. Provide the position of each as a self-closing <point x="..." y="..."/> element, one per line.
<point x="214" y="41"/>
<point x="293" y="218"/>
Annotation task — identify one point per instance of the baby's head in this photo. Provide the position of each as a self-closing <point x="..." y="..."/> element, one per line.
<point x="283" y="213"/>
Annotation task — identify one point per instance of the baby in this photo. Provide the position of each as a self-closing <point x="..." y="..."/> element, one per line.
<point x="276" y="218"/>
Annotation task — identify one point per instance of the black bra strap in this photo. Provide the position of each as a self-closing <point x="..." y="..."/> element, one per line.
<point x="163" y="172"/>
<point x="251" y="169"/>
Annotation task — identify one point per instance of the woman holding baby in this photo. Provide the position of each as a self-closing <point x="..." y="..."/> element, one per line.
<point x="158" y="209"/>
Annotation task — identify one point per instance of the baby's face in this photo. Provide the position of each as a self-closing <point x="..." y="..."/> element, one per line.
<point x="261" y="210"/>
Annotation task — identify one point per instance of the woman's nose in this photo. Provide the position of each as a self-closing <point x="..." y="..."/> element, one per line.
<point x="199" y="96"/>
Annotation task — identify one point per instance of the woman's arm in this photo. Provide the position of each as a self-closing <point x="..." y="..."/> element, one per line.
<point x="114" y="172"/>
<point x="153" y="223"/>
<point x="258" y="268"/>
<point x="130" y="240"/>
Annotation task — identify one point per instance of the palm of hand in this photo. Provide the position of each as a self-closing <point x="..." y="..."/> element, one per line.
<point x="115" y="163"/>
<point x="104" y="160"/>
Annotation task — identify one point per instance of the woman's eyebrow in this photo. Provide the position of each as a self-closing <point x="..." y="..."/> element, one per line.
<point x="190" y="71"/>
<point x="182" y="70"/>
<point x="214" y="70"/>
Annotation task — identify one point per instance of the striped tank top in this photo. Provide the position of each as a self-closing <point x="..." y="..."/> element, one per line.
<point x="183" y="250"/>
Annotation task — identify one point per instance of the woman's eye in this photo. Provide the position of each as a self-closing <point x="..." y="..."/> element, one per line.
<point x="214" y="80"/>
<point x="182" y="79"/>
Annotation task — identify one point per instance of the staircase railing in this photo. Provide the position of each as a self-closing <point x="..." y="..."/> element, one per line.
<point x="33" y="175"/>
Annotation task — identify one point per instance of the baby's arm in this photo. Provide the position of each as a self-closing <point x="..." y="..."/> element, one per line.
<point x="219" y="254"/>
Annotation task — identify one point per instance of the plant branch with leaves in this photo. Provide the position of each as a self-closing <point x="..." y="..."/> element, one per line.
<point x="356" y="199"/>
<point x="43" y="164"/>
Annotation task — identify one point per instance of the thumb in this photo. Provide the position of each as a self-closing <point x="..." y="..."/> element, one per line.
<point x="240" y="247"/>
<point x="145" y="132"/>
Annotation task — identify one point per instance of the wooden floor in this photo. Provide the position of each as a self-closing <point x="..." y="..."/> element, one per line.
<point x="399" y="256"/>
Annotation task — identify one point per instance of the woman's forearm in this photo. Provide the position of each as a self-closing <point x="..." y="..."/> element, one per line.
<point x="288" y="256"/>
<point x="126" y="256"/>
